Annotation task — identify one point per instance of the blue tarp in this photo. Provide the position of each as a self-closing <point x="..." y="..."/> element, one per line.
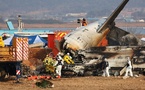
<point x="32" y="39"/>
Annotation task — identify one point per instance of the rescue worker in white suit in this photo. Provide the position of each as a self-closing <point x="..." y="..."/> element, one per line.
<point x="59" y="63"/>
<point x="128" y="68"/>
<point x="105" y="67"/>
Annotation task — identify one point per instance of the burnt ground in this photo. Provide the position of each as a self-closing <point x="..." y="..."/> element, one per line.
<point x="80" y="83"/>
<point x="75" y="83"/>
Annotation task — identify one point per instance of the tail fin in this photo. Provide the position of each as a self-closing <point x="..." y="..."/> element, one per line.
<point x="112" y="17"/>
<point x="10" y="25"/>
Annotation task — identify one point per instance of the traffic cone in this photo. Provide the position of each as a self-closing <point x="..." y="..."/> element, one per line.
<point x="58" y="77"/>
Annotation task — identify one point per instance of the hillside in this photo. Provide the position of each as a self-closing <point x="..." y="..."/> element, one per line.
<point x="43" y="8"/>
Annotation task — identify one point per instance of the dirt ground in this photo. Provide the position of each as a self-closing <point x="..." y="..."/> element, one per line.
<point x="75" y="83"/>
<point x="80" y="83"/>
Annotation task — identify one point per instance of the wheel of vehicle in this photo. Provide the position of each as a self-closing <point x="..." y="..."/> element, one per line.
<point x="2" y="74"/>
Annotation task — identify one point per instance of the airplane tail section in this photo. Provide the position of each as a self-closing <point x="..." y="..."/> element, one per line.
<point x="10" y="25"/>
<point x="112" y="17"/>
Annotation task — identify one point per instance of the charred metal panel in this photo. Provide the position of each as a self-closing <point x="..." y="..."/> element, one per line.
<point x="115" y="35"/>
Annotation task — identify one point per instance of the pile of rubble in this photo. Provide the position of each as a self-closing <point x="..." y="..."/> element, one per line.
<point x="35" y="62"/>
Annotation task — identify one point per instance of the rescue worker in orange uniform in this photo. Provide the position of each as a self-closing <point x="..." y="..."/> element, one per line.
<point x="84" y="22"/>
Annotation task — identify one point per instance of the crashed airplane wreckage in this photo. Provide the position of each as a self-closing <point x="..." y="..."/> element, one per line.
<point x="87" y="41"/>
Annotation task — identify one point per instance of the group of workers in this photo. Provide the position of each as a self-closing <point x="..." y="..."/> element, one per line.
<point x="82" y="21"/>
<point x="55" y="65"/>
<point x="106" y="67"/>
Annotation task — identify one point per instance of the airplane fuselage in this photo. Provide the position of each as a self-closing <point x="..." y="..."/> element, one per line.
<point x="85" y="37"/>
<point x="91" y="35"/>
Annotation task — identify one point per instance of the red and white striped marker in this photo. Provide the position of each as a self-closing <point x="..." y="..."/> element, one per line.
<point x="25" y="49"/>
<point x="18" y="72"/>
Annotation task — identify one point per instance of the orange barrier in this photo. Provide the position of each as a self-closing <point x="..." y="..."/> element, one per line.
<point x="38" y="77"/>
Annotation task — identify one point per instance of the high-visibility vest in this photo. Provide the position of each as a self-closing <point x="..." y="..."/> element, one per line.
<point x="48" y="61"/>
<point x="68" y="59"/>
